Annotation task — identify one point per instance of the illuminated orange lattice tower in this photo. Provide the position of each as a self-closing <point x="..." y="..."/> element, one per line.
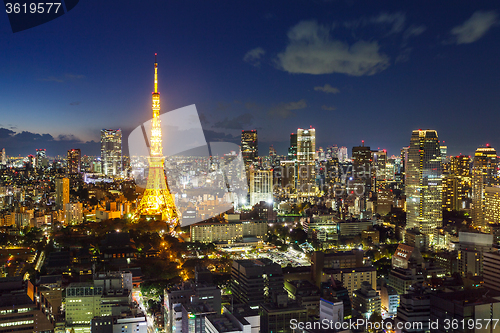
<point x="157" y="201"/>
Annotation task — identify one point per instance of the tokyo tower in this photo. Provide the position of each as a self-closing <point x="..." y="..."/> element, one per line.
<point x="157" y="201"/>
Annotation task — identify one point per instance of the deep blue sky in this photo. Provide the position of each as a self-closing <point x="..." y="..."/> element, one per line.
<point x="354" y="70"/>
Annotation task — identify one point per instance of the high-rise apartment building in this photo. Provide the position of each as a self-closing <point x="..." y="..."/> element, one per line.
<point x="249" y="147"/>
<point x="111" y="152"/>
<point x="62" y="192"/>
<point x="484" y="172"/>
<point x="261" y="186"/>
<point x="424" y="183"/>
<point x="74" y="161"/>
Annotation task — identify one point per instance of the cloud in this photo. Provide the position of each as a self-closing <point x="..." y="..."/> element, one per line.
<point x="327" y="89"/>
<point x="395" y="21"/>
<point x="6" y="133"/>
<point x="236" y="123"/>
<point x="75" y="103"/>
<point x="213" y="136"/>
<point x="414" y="31"/>
<point x="284" y="110"/>
<point x="311" y="50"/>
<point x="253" y="56"/>
<point x="404" y="55"/>
<point x="328" y="108"/>
<point x="474" y="28"/>
<point x="26" y="142"/>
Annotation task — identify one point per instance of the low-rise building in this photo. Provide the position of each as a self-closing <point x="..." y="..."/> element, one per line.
<point x="366" y="300"/>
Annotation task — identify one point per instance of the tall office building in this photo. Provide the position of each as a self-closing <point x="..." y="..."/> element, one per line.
<point x="444" y="153"/>
<point x="342" y="154"/>
<point x="256" y="281"/>
<point x="456" y="184"/>
<point x="306" y="162"/>
<point x="62" y="192"/>
<point x="41" y="158"/>
<point x="4" y="157"/>
<point x="261" y="186"/>
<point x="74" y="161"/>
<point x="379" y="158"/>
<point x="471" y="247"/>
<point x="404" y="163"/>
<point x="249" y="147"/>
<point x="292" y="150"/>
<point x="492" y="205"/>
<point x="362" y="169"/>
<point x="111" y="152"/>
<point x="424" y="184"/>
<point x="306" y="145"/>
<point x="484" y="172"/>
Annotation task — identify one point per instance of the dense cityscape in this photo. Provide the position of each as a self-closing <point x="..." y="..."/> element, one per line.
<point x="274" y="202"/>
<point x="318" y="238"/>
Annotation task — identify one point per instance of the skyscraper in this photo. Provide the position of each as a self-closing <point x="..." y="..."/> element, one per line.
<point x="362" y="169"/>
<point x="157" y="201"/>
<point x="74" y="161"/>
<point x="456" y="184"/>
<point x="292" y="150"/>
<point x="249" y="147"/>
<point x="306" y="162"/>
<point x="484" y="172"/>
<point x="424" y="183"/>
<point x="342" y="153"/>
<point x="41" y="158"/>
<point x="261" y="186"/>
<point x="306" y="145"/>
<point x="111" y="152"/>
<point x="62" y="192"/>
<point x="4" y="157"/>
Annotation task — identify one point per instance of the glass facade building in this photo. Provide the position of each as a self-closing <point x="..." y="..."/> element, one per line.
<point x="424" y="183"/>
<point x="111" y="152"/>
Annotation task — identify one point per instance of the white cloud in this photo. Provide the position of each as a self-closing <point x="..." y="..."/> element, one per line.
<point x="414" y="31"/>
<point x="474" y="28"/>
<point x="397" y="20"/>
<point x="327" y="89"/>
<point x="329" y="108"/>
<point x="311" y="50"/>
<point x="253" y="56"/>
<point x="284" y="110"/>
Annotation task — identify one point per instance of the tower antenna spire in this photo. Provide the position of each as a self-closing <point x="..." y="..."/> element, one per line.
<point x="156" y="75"/>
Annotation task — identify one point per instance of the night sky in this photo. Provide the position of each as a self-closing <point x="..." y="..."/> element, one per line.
<point x="354" y="70"/>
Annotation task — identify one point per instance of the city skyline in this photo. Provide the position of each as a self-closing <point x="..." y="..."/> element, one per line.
<point x="406" y="66"/>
